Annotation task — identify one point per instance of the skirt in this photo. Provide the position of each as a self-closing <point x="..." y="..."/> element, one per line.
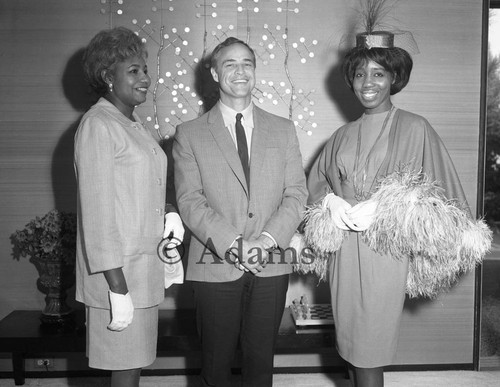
<point x="368" y="294"/>
<point x="134" y="347"/>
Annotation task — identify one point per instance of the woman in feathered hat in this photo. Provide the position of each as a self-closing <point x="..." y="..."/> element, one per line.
<point x="368" y="288"/>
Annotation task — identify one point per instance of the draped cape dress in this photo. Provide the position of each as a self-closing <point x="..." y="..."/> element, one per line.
<point x="368" y="289"/>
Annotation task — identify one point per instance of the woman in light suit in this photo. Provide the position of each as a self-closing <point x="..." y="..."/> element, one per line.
<point x="121" y="173"/>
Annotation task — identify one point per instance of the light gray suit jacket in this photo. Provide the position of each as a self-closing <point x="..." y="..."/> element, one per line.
<point x="215" y="202"/>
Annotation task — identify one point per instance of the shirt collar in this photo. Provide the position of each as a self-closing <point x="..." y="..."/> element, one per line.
<point x="229" y="115"/>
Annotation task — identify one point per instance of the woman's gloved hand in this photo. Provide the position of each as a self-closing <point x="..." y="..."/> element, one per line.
<point x="338" y="208"/>
<point x="173" y="225"/>
<point x="122" y="311"/>
<point x="362" y="214"/>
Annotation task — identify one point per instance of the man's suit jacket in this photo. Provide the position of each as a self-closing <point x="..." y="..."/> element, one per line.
<point x="215" y="202"/>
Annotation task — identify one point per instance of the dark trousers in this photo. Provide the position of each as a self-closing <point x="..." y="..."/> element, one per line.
<point x="249" y="310"/>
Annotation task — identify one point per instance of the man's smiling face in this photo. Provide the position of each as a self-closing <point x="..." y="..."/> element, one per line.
<point x="235" y="73"/>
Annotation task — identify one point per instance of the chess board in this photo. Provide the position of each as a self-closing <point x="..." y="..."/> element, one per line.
<point x="320" y="314"/>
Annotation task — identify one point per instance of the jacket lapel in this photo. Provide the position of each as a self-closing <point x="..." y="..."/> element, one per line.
<point x="226" y="145"/>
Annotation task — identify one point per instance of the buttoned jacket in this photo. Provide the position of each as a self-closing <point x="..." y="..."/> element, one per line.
<point x="217" y="205"/>
<point x="121" y="172"/>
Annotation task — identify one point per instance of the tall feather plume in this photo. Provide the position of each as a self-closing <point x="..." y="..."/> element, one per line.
<point x="373" y="12"/>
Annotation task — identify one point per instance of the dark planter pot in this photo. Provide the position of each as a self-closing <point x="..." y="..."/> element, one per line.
<point x="55" y="278"/>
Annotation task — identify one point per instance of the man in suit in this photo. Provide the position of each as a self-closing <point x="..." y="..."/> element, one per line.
<point x="241" y="191"/>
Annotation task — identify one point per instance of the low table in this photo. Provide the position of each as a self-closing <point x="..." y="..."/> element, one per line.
<point x="22" y="334"/>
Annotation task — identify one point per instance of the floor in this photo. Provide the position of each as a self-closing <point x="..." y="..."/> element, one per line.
<point x="392" y="379"/>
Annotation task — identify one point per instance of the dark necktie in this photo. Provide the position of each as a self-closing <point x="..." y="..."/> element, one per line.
<point x="241" y="141"/>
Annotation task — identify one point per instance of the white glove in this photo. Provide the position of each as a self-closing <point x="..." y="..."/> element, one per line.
<point x="173" y="225"/>
<point x="338" y="208"/>
<point x="362" y="214"/>
<point x="174" y="272"/>
<point x="122" y="311"/>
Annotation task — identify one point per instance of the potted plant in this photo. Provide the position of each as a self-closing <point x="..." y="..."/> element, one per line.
<point x="50" y="243"/>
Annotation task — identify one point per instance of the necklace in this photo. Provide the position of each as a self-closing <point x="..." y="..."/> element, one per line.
<point x="359" y="191"/>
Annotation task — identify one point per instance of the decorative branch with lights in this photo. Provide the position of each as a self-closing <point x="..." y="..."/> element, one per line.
<point x="297" y="98"/>
<point x="175" y="77"/>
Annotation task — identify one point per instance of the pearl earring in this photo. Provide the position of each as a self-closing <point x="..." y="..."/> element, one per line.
<point x="110" y="87"/>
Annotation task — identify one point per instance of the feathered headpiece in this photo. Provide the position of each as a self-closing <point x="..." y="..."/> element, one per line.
<point x="374" y="32"/>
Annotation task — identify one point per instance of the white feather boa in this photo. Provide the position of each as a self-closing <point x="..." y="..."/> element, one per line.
<point x="415" y="220"/>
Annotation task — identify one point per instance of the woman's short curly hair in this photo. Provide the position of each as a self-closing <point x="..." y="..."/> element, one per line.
<point x="394" y="60"/>
<point x="105" y="50"/>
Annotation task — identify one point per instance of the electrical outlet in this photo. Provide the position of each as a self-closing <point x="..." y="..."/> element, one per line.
<point x="44" y="363"/>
